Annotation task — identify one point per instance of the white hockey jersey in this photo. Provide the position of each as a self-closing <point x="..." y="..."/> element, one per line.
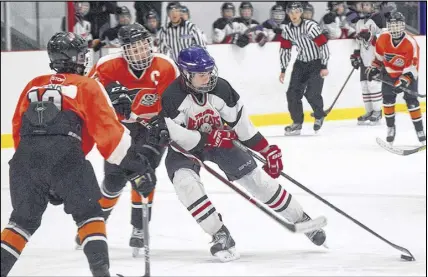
<point x="372" y="25"/>
<point x="83" y="28"/>
<point x="186" y="116"/>
<point x="224" y="30"/>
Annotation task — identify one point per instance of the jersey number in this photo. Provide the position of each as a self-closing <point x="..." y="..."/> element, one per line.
<point x="47" y="94"/>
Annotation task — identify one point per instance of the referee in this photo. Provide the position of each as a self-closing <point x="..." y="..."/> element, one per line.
<point x="309" y="69"/>
<point x="178" y="34"/>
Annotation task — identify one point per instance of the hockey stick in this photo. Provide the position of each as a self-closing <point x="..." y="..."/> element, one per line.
<point x="337" y="97"/>
<point x="409" y="91"/>
<point x="303" y="227"/>
<point x="408" y="257"/>
<point x="145" y="208"/>
<point x="398" y="151"/>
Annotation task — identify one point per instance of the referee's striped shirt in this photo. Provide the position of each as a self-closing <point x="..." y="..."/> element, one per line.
<point x="310" y="41"/>
<point x="174" y="38"/>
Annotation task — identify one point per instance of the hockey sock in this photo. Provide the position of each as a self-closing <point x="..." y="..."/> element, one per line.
<point x="389" y="111"/>
<point x="13" y="241"/>
<point x="92" y="234"/>
<point x="191" y="193"/>
<point x="108" y="201"/>
<point x="272" y="194"/>
<point x="416" y="115"/>
<point x="136" y="213"/>
<point x="377" y="101"/>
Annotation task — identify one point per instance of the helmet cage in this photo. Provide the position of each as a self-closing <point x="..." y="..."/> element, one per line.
<point x="139" y="54"/>
<point x="396" y="28"/>
<point x="188" y="77"/>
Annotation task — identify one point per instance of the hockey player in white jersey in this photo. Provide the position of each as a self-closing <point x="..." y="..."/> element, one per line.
<point x="195" y="107"/>
<point x="368" y="27"/>
<point x="274" y="25"/>
<point x="334" y="22"/>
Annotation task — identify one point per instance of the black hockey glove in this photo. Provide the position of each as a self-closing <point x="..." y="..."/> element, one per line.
<point x="355" y="58"/>
<point x="277" y="30"/>
<point x="261" y="39"/>
<point x="241" y="40"/>
<point x="120" y="99"/>
<point x="372" y="73"/>
<point x="54" y="199"/>
<point x="158" y="131"/>
<point x="138" y="170"/>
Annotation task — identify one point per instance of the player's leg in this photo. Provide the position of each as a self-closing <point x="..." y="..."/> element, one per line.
<point x="154" y="154"/>
<point x="313" y="93"/>
<point x="184" y="175"/>
<point x="78" y="187"/>
<point x="294" y="99"/>
<point x="389" y="98"/>
<point x="365" y="118"/>
<point x="374" y="92"/>
<point x="241" y="167"/>
<point x="29" y="201"/>
<point x="415" y="113"/>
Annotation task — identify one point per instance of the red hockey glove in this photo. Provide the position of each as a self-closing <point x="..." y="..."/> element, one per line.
<point x="220" y="138"/>
<point x="273" y="165"/>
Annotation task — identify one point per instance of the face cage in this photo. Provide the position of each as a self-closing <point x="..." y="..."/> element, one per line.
<point x="139" y="54"/>
<point x="278" y="16"/>
<point x="203" y="88"/>
<point x="396" y="29"/>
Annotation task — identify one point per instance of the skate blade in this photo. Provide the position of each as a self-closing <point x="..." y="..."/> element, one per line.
<point x="227" y="255"/>
<point x="363" y="123"/>
<point x="78" y="247"/>
<point x="311" y="225"/>
<point x="292" y="134"/>
<point x="375" y="123"/>
<point x="135" y="252"/>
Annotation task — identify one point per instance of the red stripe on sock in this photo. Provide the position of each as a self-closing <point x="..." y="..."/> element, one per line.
<point x="203" y="207"/>
<point x="284" y="193"/>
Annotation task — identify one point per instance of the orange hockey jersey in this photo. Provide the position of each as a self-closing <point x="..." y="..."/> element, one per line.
<point x="145" y="91"/>
<point x="400" y="59"/>
<point x="88" y="99"/>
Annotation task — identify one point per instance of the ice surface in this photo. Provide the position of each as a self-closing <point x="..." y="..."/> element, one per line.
<point x="342" y="163"/>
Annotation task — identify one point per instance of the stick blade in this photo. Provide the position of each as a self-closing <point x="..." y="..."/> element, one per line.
<point x="311" y="225"/>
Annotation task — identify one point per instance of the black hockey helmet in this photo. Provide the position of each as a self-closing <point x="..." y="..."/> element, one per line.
<point x="277" y="14"/>
<point x="246" y="6"/>
<point x="294" y="6"/>
<point x="123" y="15"/>
<point x="151" y="20"/>
<point x="67" y="53"/>
<point x="396" y="25"/>
<point x="172" y="6"/>
<point x="308" y="9"/>
<point x="331" y="5"/>
<point x="137" y="45"/>
<point x="185" y="10"/>
<point x="227" y="6"/>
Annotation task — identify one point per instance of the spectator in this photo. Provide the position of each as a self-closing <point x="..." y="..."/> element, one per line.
<point x="82" y="26"/>
<point x="143" y="7"/>
<point x="185" y="13"/>
<point x="273" y="27"/>
<point x="308" y="12"/>
<point x="152" y="24"/>
<point x="334" y="23"/>
<point x="99" y="16"/>
<point x="109" y="37"/>
<point x="178" y="33"/>
<point x="247" y="26"/>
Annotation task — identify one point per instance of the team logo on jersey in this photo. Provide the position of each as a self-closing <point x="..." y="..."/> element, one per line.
<point x="149" y="99"/>
<point x="203" y="118"/>
<point x="395" y="59"/>
<point x="57" y="79"/>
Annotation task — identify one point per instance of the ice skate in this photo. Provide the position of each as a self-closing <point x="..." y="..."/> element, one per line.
<point x="317" y="237"/>
<point x="318" y="124"/>
<point x="365" y="118"/>
<point x="101" y="271"/>
<point x="375" y="118"/>
<point x="136" y="241"/>
<point x="390" y="135"/>
<point x="224" y="246"/>
<point x="293" y="129"/>
<point x="422" y="137"/>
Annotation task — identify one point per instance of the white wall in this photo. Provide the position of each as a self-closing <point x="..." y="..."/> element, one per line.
<point x="253" y="72"/>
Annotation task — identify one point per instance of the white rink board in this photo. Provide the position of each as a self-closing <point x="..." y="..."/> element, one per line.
<point x="253" y="72"/>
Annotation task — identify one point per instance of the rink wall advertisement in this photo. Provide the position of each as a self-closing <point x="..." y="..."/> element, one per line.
<point x="253" y="71"/>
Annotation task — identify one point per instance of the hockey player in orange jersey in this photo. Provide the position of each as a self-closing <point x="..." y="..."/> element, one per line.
<point x="57" y="120"/>
<point x="397" y="58"/>
<point x="135" y="80"/>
